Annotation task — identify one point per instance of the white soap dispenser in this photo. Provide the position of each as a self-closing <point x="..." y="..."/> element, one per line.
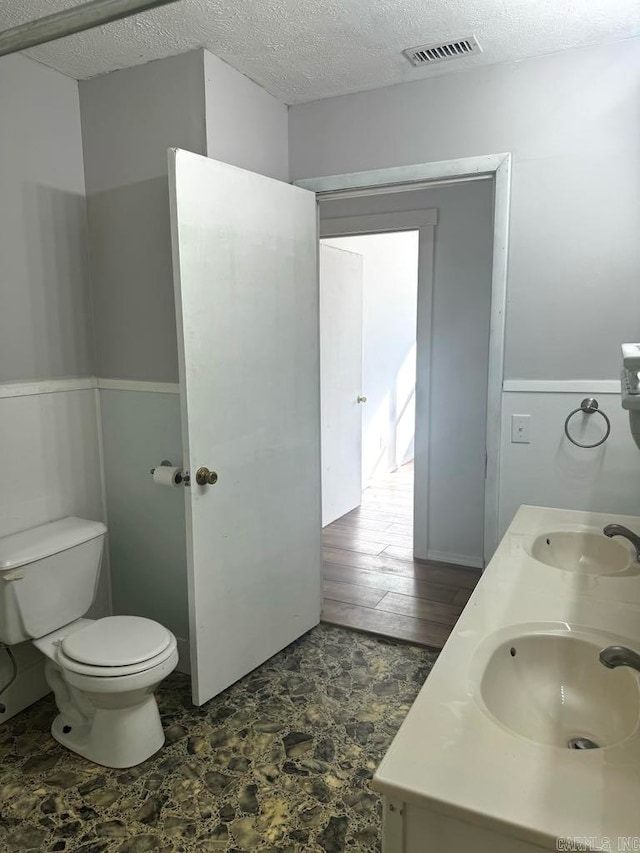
<point x="630" y="387"/>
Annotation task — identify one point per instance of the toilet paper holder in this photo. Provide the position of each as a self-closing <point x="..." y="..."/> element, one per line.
<point x="185" y="477"/>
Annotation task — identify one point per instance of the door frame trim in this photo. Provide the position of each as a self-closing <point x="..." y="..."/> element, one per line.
<point x="402" y="178"/>
<point x="377" y="223"/>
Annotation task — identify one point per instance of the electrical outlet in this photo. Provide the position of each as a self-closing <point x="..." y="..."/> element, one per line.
<point x="520" y="429"/>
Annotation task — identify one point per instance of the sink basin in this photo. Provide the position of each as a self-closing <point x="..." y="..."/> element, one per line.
<point x="552" y="689"/>
<point x="584" y="552"/>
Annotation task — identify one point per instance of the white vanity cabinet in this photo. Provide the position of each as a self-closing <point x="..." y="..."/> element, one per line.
<point x="491" y="757"/>
<point x="409" y="828"/>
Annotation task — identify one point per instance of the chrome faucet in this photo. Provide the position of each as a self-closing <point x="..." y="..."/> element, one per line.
<point x="614" y="656"/>
<point x="618" y="530"/>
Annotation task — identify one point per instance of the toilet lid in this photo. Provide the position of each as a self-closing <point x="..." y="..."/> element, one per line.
<point x="116" y="641"/>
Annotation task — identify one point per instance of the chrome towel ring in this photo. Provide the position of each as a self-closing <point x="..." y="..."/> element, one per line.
<point x="588" y="406"/>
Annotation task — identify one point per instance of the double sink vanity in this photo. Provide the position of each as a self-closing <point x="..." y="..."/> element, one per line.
<point x="522" y="739"/>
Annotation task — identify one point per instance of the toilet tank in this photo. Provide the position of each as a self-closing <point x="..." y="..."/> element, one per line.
<point x="48" y="577"/>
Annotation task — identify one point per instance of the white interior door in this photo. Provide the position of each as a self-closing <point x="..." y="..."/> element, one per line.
<point x="341" y="380"/>
<point x="245" y="269"/>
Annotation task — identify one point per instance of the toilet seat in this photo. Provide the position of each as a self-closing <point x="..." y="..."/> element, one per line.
<point x="116" y="646"/>
<point x="116" y="641"/>
<point x="71" y="665"/>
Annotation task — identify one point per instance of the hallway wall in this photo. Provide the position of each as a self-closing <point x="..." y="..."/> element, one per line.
<point x="455" y="348"/>
<point x="389" y="309"/>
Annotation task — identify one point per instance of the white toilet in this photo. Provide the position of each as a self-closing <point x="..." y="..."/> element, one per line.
<point x="103" y="672"/>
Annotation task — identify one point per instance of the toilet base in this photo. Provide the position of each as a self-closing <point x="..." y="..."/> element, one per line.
<point x="114" y="737"/>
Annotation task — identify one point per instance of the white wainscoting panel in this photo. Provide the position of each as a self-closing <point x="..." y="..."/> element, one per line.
<point x="550" y="471"/>
<point x="51" y="462"/>
<point x="55" y="463"/>
<point x="146" y="521"/>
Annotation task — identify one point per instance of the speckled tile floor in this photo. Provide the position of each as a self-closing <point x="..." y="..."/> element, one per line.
<point x="282" y="761"/>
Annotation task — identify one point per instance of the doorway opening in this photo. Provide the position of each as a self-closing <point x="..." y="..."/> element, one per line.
<point x="404" y="562"/>
<point x="400" y="180"/>
<point x="368" y="315"/>
<point x="368" y="319"/>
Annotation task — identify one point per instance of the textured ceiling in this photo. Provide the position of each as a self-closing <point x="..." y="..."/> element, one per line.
<point x="301" y="50"/>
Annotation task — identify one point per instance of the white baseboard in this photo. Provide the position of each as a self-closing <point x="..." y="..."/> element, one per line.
<point x="459" y="559"/>
<point x="184" y="652"/>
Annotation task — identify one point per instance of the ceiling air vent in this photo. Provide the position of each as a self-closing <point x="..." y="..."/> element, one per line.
<point x="428" y="54"/>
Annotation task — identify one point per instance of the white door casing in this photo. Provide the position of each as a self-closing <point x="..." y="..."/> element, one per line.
<point x="245" y="271"/>
<point x="408" y="178"/>
<point x="341" y="281"/>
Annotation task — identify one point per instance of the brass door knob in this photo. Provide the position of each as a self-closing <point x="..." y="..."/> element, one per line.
<point x="205" y="477"/>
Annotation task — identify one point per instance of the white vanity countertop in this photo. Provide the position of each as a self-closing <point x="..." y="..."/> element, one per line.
<point x="451" y="756"/>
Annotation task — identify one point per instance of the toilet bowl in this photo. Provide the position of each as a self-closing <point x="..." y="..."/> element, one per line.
<point x="103" y="674"/>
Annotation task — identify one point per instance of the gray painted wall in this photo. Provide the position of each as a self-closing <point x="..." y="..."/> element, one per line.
<point x="572" y="124"/>
<point x="48" y="441"/>
<point x="458" y="342"/>
<point x="246" y="126"/>
<point x="129" y="120"/>
<point x="45" y="321"/>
